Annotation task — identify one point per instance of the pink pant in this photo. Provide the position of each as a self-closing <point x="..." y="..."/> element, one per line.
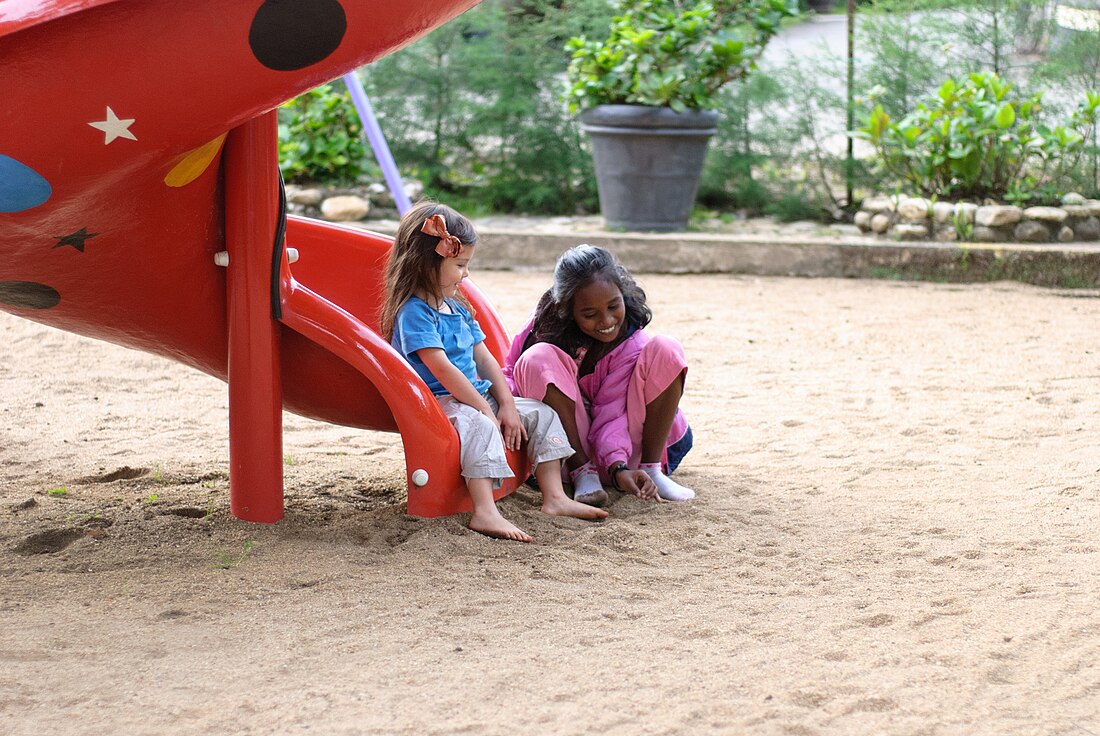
<point x="660" y="361"/>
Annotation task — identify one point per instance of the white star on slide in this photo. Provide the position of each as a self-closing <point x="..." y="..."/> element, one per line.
<point x="113" y="128"/>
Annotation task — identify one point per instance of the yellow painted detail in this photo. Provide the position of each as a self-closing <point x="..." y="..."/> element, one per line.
<point x="194" y="163"/>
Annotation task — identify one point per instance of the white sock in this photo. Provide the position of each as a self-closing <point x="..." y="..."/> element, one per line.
<point x="667" y="488"/>
<point x="586" y="480"/>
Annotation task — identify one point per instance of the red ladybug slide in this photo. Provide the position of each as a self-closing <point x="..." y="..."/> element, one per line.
<point x="140" y="204"/>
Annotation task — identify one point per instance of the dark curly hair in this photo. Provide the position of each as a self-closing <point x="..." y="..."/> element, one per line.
<point x="576" y="268"/>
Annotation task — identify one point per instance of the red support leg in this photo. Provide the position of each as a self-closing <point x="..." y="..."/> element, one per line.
<point x="255" y="392"/>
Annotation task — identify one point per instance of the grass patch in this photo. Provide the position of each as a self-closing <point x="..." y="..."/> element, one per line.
<point x="229" y="560"/>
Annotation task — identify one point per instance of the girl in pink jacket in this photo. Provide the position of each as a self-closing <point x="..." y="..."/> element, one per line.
<point x="617" y="389"/>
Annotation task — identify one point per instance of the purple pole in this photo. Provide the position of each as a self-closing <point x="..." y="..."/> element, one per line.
<point x="377" y="141"/>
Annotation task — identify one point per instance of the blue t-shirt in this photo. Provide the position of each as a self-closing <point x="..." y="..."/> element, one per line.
<point x="418" y="326"/>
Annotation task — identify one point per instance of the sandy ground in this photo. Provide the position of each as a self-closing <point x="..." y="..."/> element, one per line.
<point x="896" y="532"/>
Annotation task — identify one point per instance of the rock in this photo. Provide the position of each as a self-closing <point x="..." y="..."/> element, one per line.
<point x="880" y="223"/>
<point x="1087" y="229"/>
<point x="1093" y="206"/>
<point x="875" y="205"/>
<point x="965" y="212"/>
<point x="998" y="215"/>
<point x="347" y="208"/>
<point x="380" y="195"/>
<point x="1077" y="210"/>
<point x="307" y="197"/>
<point x="1046" y="214"/>
<point x="1065" y="235"/>
<point x="946" y="234"/>
<point x="862" y="220"/>
<point x="942" y="212"/>
<point x="984" y="234"/>
<point x="1031" y="231"/>
<point x="414" y="190"/>
<point x="913" y="208"/>
<point x="910" y="231"/>
<point x="1073" y="198"/>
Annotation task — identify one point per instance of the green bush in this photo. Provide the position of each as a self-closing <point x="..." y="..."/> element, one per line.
<point x="792" y="208"/>
<point x="1072" y="65"/>
<point x="319" y="138"/>
<point x="782" y="133"/>
<point x="672" y="53"/>
<point x="474" y="109"/>
<point x="976" y="139"/>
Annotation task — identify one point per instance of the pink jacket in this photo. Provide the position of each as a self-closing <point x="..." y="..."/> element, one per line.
<point x="605" y="391"/>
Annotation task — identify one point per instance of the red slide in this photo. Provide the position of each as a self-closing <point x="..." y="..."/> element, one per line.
<point x="138" y="152"/>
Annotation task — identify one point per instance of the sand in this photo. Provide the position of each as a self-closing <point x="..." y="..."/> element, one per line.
<point x="896" y="532"/>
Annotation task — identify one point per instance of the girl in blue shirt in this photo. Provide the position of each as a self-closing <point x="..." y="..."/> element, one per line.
<point x="428" y="320"/>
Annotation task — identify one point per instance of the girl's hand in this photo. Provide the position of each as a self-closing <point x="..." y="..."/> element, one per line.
<point x="638" y="483"/>
<point x="511" y="428"/>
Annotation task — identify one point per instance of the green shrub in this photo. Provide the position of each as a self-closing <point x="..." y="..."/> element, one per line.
<point x="319" y="138"/>
<point x="781" y="133"/>
<point x="672" y="53"/>
<point x="1072" y="65"/>
<point x="474" y="109"/>
<point x="792" y="208"/>
<point x="976" y="139"/>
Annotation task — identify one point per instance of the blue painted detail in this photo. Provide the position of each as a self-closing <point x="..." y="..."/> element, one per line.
<point x="21" y="187"/>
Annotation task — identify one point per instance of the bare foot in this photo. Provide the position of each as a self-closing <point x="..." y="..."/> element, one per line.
<point x="566" y="506"/>
<point x="497" y="527"/>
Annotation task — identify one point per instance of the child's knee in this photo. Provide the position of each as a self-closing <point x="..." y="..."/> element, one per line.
<point x="662" y="357"/>
<point x="542" y="365"/>
<point x="666" y="347"/>
<point x="542" y="424"/>
<point x="534" y="414"/>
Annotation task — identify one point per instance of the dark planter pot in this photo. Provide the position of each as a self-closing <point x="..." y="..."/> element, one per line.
<point x="648" y="163"/>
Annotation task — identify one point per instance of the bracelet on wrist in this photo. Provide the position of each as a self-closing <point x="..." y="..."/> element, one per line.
<point x="613" y="472"/>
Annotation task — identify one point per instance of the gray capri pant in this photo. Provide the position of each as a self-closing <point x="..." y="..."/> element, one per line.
<point x="482" y="446"/>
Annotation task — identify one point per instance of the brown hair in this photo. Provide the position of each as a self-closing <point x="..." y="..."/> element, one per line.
<point x="413" y="264"/>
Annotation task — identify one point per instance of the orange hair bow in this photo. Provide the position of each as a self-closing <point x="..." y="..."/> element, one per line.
<point x="449" y="246"/>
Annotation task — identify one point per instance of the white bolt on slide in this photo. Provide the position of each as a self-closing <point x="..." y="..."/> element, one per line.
<point x="420" y="477"/>
<point x="221" y="258"/>
<point x="291" y="255"/>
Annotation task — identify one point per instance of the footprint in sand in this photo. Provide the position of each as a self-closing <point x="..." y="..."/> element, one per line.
<point x="873" y="705"/>
<point x="189" y="512"/>
<point x="49" y="541"/>
<point x="123" y="473"/>
<point x="809" y="698"/>
<point x="873" y="622"/>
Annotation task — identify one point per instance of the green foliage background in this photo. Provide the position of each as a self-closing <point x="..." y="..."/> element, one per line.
<point x="476" y="109"/>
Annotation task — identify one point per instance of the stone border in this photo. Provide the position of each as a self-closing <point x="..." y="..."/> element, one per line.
<point x="1074" y="266"/>
<point x="347" y="204"/>
<point x="917" y="218"/>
